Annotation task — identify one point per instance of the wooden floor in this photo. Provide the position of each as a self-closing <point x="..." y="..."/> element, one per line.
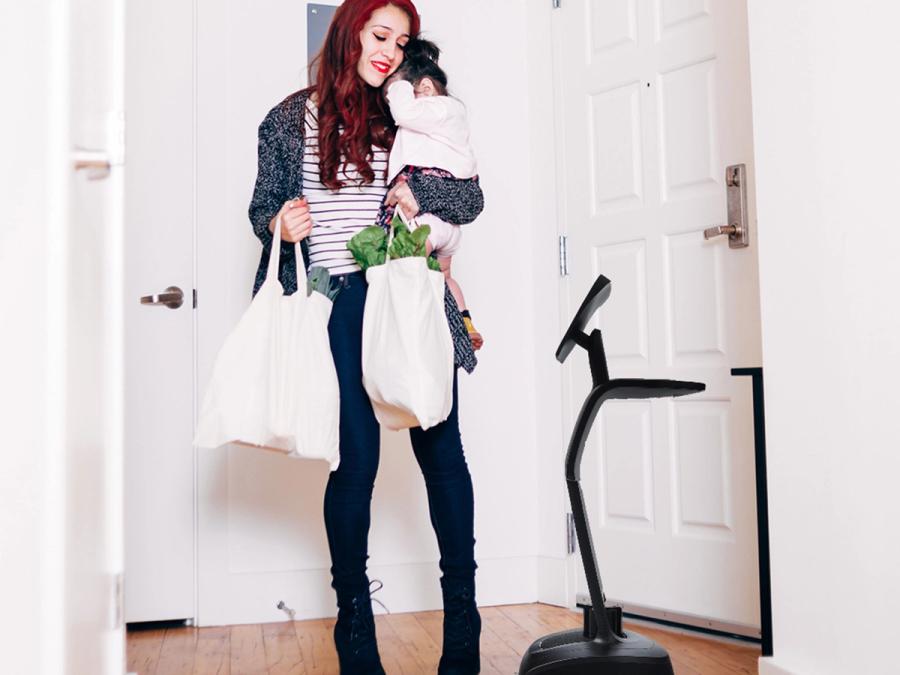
<point x="409" y="644"/>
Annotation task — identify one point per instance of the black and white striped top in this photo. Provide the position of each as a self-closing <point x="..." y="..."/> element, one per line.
<point x="337" y="216"/>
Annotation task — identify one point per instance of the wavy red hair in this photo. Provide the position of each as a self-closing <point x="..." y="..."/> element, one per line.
<point x="344" y="99"/>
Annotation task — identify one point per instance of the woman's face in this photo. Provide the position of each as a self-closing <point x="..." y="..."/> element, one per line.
<point x="383" y="38"/>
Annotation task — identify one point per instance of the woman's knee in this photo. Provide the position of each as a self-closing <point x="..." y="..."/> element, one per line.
<point x="441" y="461"/>
<point x="355" y="476"/>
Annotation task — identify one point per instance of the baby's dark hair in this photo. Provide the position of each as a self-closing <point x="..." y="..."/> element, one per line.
<point x="420" y="59"/>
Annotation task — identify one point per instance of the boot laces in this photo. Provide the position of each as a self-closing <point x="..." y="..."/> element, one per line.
<point x="359" y="620"/>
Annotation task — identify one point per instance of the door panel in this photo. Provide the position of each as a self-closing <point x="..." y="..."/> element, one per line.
<point x="654" y="104"/>
<point x="159" y="252"/>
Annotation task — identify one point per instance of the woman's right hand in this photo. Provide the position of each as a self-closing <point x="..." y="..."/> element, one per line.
<point x="296" y="220"/>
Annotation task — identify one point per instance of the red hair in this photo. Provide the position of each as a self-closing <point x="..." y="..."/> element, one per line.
<point x="344" y="98"/>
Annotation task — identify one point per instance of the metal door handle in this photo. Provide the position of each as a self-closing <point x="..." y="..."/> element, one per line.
<point x="738" y="228"/>
<point x="718" y="230"/>
<point x="172" y="297"/>
<point x="96" y="162"/>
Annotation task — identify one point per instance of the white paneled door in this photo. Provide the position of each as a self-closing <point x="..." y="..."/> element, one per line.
<point x="653" y="102"/>
<point x="159" y="337"/>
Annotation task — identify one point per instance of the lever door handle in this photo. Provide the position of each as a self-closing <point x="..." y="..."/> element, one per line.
<point x="96" y="162"/>
<point x="718" y="230"/>
<point x="172" y="297"/>
<point x="738" y="227"/>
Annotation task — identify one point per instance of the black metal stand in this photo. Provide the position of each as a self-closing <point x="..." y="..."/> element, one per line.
<point x="600" y="646"/>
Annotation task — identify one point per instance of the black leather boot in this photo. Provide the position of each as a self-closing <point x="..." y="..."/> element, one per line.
<point x="462" y="629"/>
<point x="354" y="634"/>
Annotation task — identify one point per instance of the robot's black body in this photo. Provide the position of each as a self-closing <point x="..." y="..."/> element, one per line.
<point x="600" y="647"/>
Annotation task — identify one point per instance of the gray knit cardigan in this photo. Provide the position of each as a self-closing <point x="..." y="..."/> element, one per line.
<point x="280" y="178"/>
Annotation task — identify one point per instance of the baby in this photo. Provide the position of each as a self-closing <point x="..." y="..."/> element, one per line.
<point x="432" y="136"/>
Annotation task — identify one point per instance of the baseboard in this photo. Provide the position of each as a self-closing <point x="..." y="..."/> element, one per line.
<point x="413" y="587"/>
<point x="767" y="666"/>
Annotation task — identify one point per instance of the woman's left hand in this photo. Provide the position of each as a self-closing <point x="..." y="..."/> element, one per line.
<point x="401" y="194"/>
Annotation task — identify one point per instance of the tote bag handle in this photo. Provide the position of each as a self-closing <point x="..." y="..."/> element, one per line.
<point x="275" y="256"/>
<point x="409" y="222"/>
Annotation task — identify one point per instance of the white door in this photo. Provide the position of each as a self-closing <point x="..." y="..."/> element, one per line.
<point x="261" y="533"/>
<point x="653" y="102"/>
<point x="159" y="340"/>
<point x="92" y="364"/>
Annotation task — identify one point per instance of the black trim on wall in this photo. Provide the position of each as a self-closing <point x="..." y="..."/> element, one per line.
<point x="762" y="506"/>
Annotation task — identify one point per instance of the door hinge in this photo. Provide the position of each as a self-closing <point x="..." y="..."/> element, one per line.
<point x="118" y="599"/>
<point x="557" y="4"/>
<point x="195" y="298"/>
<point x="570" y="533"/>
<point x="563" y="255"/>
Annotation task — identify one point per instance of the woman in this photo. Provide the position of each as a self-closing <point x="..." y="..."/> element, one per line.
<point x="330" y="142"/>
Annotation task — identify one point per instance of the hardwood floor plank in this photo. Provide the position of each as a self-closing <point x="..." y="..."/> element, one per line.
<point x="534" y="620"/>
<point x="316" y="638"/>
<point x="283" y="655"/>
<point x="416" y="640"/>
<point x="144" y="647"/>
<point x="409" y="644"/>
<point x="395" y="657"/>
<point x="496" y="655"/>
<point x="248" y="653"/>
<point x="213" y="655"/>
<point x="178" y="650"/>
<point x="432" y="622"/>
<point x="703" y="655"/>
<point x="507" y="630"/>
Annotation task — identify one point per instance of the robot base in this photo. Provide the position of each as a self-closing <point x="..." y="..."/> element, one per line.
<point x="570" y="653"/>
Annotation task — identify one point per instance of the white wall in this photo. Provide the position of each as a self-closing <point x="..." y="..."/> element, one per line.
<point x="826" y="110"/>
<point x="32" y="629"/>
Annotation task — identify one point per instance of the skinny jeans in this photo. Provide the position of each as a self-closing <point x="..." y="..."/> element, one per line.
<point x="348" y="495"/>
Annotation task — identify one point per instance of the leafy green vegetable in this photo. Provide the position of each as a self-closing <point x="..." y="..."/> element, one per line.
<point x="369" y="246"/>
<point x="319" y="279"/>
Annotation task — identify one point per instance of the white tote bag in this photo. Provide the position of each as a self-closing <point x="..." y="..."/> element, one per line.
<point x="274" y="384"/>
<point x="407" y="349"/>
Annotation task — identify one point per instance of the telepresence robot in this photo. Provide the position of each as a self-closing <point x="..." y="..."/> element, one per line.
<point x="601" y="647"/>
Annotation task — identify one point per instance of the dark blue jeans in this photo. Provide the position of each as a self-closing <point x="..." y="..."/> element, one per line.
<point x="348" y="495"/>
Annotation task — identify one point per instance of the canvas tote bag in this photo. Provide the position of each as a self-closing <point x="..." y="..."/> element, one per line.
<point x="407" y="349"/>
<point x="274" y="384"/>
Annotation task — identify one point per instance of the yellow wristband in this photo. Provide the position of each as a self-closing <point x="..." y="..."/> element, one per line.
<point x="469" y="325"/>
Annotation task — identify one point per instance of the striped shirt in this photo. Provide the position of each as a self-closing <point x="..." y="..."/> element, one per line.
<point x="337" y="216"/>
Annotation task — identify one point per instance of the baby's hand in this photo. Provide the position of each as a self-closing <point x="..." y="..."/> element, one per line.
<point x="477" y="341"/>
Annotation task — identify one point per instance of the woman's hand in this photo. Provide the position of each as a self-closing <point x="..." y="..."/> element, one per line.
<point x="402" y="195"/>
<point x="296" y="220"/>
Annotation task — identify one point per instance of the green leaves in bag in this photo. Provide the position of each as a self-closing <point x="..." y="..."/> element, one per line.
<point x="368" y="246"/>
<point x="319" y="279"/>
